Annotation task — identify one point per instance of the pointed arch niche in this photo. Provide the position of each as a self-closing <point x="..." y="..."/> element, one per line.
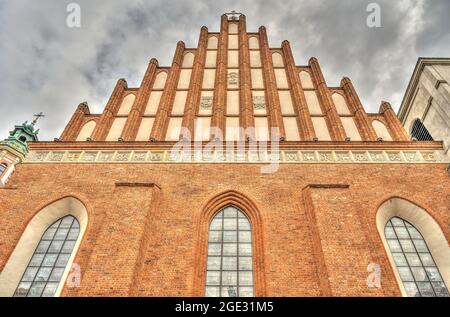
<point x="421" y="220"/>
<point x="211" y="209"/>
<point x="28" y="242"/>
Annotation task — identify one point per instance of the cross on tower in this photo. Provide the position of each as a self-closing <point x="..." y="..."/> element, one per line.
<point x="37" y="117"/>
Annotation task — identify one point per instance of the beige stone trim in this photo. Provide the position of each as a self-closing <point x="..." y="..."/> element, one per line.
<point x="294" y="156"/>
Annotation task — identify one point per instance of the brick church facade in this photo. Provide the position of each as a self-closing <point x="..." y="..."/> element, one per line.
<point x="353" y="207"/>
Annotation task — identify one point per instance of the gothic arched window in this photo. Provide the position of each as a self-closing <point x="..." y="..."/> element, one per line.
<point x="420" y="132"/>
<point x="415" y="264"/>
<point x="2" y="168"/>
<point x="45" y="269"/>
<point x="229" y="271"/>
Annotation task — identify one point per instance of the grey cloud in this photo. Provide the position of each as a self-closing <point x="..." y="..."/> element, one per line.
<point x="48" y="67"/>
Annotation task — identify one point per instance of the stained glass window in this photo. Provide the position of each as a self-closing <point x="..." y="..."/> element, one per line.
<point x="414" y="262"/>
<point x="229" y="271"/>
<point x="44" y="272"/>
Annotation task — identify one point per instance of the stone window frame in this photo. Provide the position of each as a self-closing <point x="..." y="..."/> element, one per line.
<point x="428" y="227"/>
<point x="18" y="261"/>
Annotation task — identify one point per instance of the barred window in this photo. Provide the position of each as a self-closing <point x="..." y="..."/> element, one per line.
<point x="2" y="168"/>
<point x="420" y="132"/>
<point x="45" y="269"/>
<point x="417" y="269"/>
<point x="229" y="270"/>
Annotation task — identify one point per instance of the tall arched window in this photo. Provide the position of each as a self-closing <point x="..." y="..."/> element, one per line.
<point x="415" y="264"/>
<point x="45" y="269"/>
<point x="2" y="168"/>
<point x="229" y="271"/>
<point x="420" y="132"/>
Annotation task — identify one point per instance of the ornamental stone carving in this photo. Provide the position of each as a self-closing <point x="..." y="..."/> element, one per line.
<point x="429" y="156"/>
<point x="361" y="157"/>
<point x="309" y="156"/>
<point x="291" y="156"/>
<point x="343" y="157"/>
<point x="90" y="156"/>
<point x="139" y="156"/>
<point x="377" y="156"/>
<point x="233" y="78"/>
<point x="259" y="103"/>
<point x="394" y="156"/>
<point x="123" y="156"/>
<point x="56" y="156"/>
<point x="73" y="156"/>
<point x="326" y="157"/>
<point x="206" y="103"/>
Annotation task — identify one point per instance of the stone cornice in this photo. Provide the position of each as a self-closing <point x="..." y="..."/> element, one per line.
<point x="282" y="156"/>
<point x="353" y="145"/>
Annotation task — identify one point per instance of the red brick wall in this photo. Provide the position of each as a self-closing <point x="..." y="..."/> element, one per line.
<point x="145" y="241"/>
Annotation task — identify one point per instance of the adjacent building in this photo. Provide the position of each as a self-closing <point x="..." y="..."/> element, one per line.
<point x="425" y="110"/>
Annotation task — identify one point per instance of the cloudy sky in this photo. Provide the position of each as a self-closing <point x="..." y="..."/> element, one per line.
<point x="46" y="66"/>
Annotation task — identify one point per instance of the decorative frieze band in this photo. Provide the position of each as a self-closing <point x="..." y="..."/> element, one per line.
<point x="236" y="156"/>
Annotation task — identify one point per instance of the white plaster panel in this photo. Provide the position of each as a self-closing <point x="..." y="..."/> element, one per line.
<point x="340" y="103"/>
<point x="291" y="129"/>
<point x="313" y="102"/>
<point x="287" y="108"/>
<point x="253" y="42"/>
<point x="213" y="42"/>
<point x="160" y="80"/>
<point x="232" y="129"/>
<point x="255" y="59"/>
<point x="145" y="129"/>
<point x="209" y="78"/>
<point x="233" y="28"/>
<point x="185" y="78"/>
<point x="277" y="60"/>
<point x="305" y="79"/>
<point x="116" y="129"/>
<point x="86" y="131"/>
<point x="233" y="42"/>
<point x="179" y="102"/>
<point x="233" y="59"/>
<point x="350" y="128"/>
<point x="321" y="129"/>
<point x="211" y="59"/>
<point x="257" y="79"/>
<point x="174" y="129"/>
<point x="126" y="105"/>
<point x="232" y="102"/>
<point x="188" y="60"/>
<point x="381" y="130"/>
<point x="153" y="103"/>
<point x="280" y="76"/>
<point x="261" y="129"/>
<point x="202" y="126"/>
